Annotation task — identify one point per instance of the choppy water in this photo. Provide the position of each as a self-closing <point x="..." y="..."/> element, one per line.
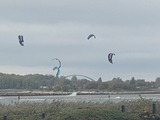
<point x="76" y="98"/>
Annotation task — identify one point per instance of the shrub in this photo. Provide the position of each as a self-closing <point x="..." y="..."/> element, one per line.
<point x="95" y="114"/>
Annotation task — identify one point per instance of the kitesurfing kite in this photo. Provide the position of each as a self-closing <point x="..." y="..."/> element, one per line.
<point x="110" y="55"/>
<point x="21" y="41"/>
<point x="58" y="62"/>
<point x="57" y="68"/>
<point x="91" y="35"/>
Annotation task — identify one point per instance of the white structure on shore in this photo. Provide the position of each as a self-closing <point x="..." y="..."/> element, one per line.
<point x="73" y="94"/>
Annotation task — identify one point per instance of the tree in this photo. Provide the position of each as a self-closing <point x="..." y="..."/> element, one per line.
<point x="99" y="80"/>
<point x="133" y="82"/>
<point x="157" y="82"/>
<point x="91" y="85"/>
<point x="74" y="78"/>
<point x="103" y="86"/>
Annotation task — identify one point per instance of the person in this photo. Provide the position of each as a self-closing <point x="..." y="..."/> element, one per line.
<point x="18" y="97"/>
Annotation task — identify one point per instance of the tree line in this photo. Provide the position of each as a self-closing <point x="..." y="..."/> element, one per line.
<point x="50" y="82"/>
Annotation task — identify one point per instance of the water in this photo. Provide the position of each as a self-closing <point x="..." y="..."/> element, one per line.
<point x="77" y="98"/>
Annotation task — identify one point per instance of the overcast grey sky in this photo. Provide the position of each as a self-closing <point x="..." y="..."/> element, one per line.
<point x="59" y="28"/>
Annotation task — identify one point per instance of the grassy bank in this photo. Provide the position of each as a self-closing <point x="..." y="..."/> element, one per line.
<point x="77" y="111"/>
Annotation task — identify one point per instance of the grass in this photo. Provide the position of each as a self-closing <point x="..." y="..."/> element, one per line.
<point x="58" y="110"/>
<point x="95" y="114"/>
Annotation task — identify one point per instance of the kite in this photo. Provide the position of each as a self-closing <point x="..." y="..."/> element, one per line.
<point x="21" y="41"/>
<point x="91" y="35"/>
<point x="58" y="62"/>
<point x="110" y="55"/>
<point x="57" y="68"/>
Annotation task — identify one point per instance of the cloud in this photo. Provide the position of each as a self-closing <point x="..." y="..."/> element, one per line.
<point x="130" y="29"/>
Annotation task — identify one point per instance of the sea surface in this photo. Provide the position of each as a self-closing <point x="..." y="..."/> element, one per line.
<point x="77" y="98"/>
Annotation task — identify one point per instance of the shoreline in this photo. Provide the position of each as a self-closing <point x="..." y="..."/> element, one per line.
<point x="42" y="93"/>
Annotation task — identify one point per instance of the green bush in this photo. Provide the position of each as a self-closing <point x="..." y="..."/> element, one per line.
<point x="96" y="114"/>
<point x="58" y="110"/>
